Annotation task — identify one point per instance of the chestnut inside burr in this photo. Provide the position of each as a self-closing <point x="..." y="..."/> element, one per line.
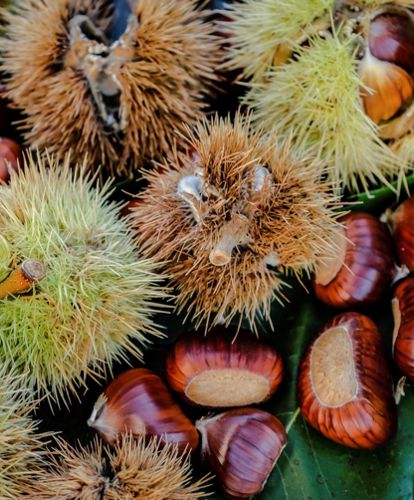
<point x="329" y="268"/>
<point x="221" y="388"/>
<point x="333" y="374"/>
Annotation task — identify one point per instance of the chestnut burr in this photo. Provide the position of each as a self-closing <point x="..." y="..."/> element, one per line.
<point x="363" y="269"/>
<point x="218" y="372"/>
<point x="242" y="447"/>
<point x="403" y="311"/>
<point x="139" y="402"/>
<point x="345" y="386"/>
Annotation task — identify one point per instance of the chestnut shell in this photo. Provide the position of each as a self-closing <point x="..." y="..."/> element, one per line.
<point x="369" y="419"/>
<point x="404" y="340"/>
<point x="403" y="225"/>
<point x="368" y="267"/>
<point x="218" y="371"/>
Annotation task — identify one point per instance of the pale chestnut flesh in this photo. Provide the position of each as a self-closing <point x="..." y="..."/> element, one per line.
<point x="345" y="387"/>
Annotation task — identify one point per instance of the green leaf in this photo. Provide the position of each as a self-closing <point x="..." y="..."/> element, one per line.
<point x="311" y="466"/>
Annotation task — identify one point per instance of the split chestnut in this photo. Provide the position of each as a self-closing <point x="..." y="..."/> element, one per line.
<point x="345" y="386"/>
<point x="363" y="269"/>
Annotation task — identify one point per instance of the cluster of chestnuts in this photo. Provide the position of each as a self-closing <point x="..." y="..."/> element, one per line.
<point x="345" y="385"/>
<point x="240" y="445"/>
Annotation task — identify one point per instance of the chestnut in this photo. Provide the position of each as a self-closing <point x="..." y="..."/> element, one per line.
<point x="402" y="221"/>
<point x="139" y="402"/>
<point x="345" y="386"/>
<point x="10" y="157"/>
<point x="218" y="372"/>
<point x="363" y="269"/>
<point x="391" y="39"/>
<point x="242" y="446"/>
<point x="403" y="311"/>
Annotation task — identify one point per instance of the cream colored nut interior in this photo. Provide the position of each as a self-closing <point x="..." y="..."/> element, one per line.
<point x="332" y="364"/>
<point x="327" y="269"/>
<point x="227" y="387"/>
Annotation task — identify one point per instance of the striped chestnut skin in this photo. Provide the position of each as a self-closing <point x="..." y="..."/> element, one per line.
<point x="402" y="221"/>
<point x="219" y="372"/>
<point x="345" y="386"/>
<point x="403" y="310"/>
<point x="242" y="447"/>
<point x="139" y="402"/>
<point x="363" y="269"/>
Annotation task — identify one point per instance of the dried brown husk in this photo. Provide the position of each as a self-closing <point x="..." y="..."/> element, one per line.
<point x="158" y="73"/>
<point x="289" y="222"/>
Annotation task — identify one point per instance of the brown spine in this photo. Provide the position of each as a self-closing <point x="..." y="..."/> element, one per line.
<point x="370" y="419"/>
<point x="404" y="342"/>
<point x="368" y="269"/>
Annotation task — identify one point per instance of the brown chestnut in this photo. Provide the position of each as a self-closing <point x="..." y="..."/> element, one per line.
<point x="402" y="221"/>
<point x="391" y="39"/>
<point x="403" y="311"/>
<point x="242" y="446"/>
<point x="363" y="269"/>
<point x="10" y="157"/>
<point x="218" y="372"/>
<point x="345" y="386"/>
<point x="138" y="401"/>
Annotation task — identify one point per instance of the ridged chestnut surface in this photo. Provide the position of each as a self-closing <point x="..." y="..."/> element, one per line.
<point x="242" y="446"/>
<point x="219" y="372"/>
<point x="403" y="309"/>
<point x="138" y="401"/>
<point x="345" y="386"/>
<point x="363" y="269"/>
<point x="403" y="224"/>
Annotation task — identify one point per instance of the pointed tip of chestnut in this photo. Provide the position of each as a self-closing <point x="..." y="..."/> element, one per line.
<point x="242" y="447"/>
<point x="138" y="401"/>
<point x="363" y="269"/>
<point x="218" y="372"/>
<point x="345" y="386"/>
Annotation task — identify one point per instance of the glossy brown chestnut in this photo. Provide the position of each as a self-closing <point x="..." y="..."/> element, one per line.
<point x="345" y="386"/>
<point x="138" y="401"/>
<point x="402" y="221"/>
<point x="10" y="157"/>
<point x="218" y="372"/>
<point x="403" y="311"/>
<point x="242" y="446"/>
<point x="363" y="269"/>
<point x="391" y="39"/>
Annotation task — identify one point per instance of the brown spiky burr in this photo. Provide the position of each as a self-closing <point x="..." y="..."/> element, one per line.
<point x="232" y="217"/>
<point x="132" y="469"/>
<point x="119" y="101"/>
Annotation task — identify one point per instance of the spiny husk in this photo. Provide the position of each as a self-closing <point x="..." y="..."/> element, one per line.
<point x="163" y="70"/>
<point x="302" y="60"/>
<point x="133" y="469"/>
<point x="21" y="447"/>
<point x="96" y="300"/>
<point x="291" y="222"/>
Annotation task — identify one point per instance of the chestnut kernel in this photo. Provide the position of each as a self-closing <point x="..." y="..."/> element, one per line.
<point x="242" y="447"/>
<point x="216" y="372"/>
<point x="345" y="386"/>
<point x="402" y="221"/>
<point x="10" y="157"/>
<point x="139" y="402"/>
<point x="363" y="269"/>
<point x="403" y="311"/>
